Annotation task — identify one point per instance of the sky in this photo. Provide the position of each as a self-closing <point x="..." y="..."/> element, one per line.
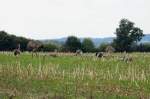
<point x="49" y="19"/>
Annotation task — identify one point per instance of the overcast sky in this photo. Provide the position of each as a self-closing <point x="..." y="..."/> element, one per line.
<point x="46" y="19"/>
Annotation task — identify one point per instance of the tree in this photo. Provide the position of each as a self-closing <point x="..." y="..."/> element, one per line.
<point x="127" y="34"/>
<point x="34" y="45"/>
<point x="88" y="45"/>
<point x="9" y="42"/>
<point x="109" y="49"/>
<point x="50" y="47"/>
<point x="143" y="47"/>
<point x="72" y="44"/>
<point x="4" y="42"/>
<point x="103" y="46"/>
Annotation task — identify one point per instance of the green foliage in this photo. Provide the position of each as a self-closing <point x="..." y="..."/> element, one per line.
<point x="9" y="42"/>
<point x="72" y="44"/>
<point x="103" y="47"/>
<point x="145" y="47"/>
<point x="127" y="34"/>
<point x="50" y="47"/>
<point x="88" y="45"/>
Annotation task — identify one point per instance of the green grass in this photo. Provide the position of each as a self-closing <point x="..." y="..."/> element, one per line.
<point x="74" y="77"/>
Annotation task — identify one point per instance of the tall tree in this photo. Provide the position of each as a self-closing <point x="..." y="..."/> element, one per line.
<point x="127" y="34"/>
<point x="88" y="45"/>
<point x="72" y="44"/>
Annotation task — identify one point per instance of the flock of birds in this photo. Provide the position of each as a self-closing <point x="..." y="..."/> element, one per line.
<point x="33" y="46"/>
<point x="124" y="57"/>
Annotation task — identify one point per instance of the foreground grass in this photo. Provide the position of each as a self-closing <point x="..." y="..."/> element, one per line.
<point x="74" y="77"/>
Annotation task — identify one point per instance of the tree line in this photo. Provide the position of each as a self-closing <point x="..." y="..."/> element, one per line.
<point x="9" y="42"/>
<point x="127" y="38"/>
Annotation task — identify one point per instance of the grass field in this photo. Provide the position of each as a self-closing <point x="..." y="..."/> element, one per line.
<point x="74" y="77"/>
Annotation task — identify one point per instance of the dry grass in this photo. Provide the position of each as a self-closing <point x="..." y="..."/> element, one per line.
<point x="72" y="77"/>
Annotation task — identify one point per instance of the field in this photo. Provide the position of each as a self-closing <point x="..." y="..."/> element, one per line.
<point x="74" y="77"/>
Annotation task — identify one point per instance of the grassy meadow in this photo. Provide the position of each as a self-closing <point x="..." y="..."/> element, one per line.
<point x="74" y="77"/>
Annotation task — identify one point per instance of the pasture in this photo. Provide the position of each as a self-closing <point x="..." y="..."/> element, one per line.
<point x="74" y="77"/>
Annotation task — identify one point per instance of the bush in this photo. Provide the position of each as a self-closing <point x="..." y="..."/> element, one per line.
<point x="50" y="47"/>
<point x="102" y="47"/>
<point x="143" y="47"/>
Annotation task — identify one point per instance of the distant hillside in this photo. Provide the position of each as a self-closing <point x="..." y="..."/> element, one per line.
<point x="146" y="38"/>
<point x="97" y="41"/>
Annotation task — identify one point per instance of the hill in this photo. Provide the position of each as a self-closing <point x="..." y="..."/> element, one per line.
<point x="97" y="41"/>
